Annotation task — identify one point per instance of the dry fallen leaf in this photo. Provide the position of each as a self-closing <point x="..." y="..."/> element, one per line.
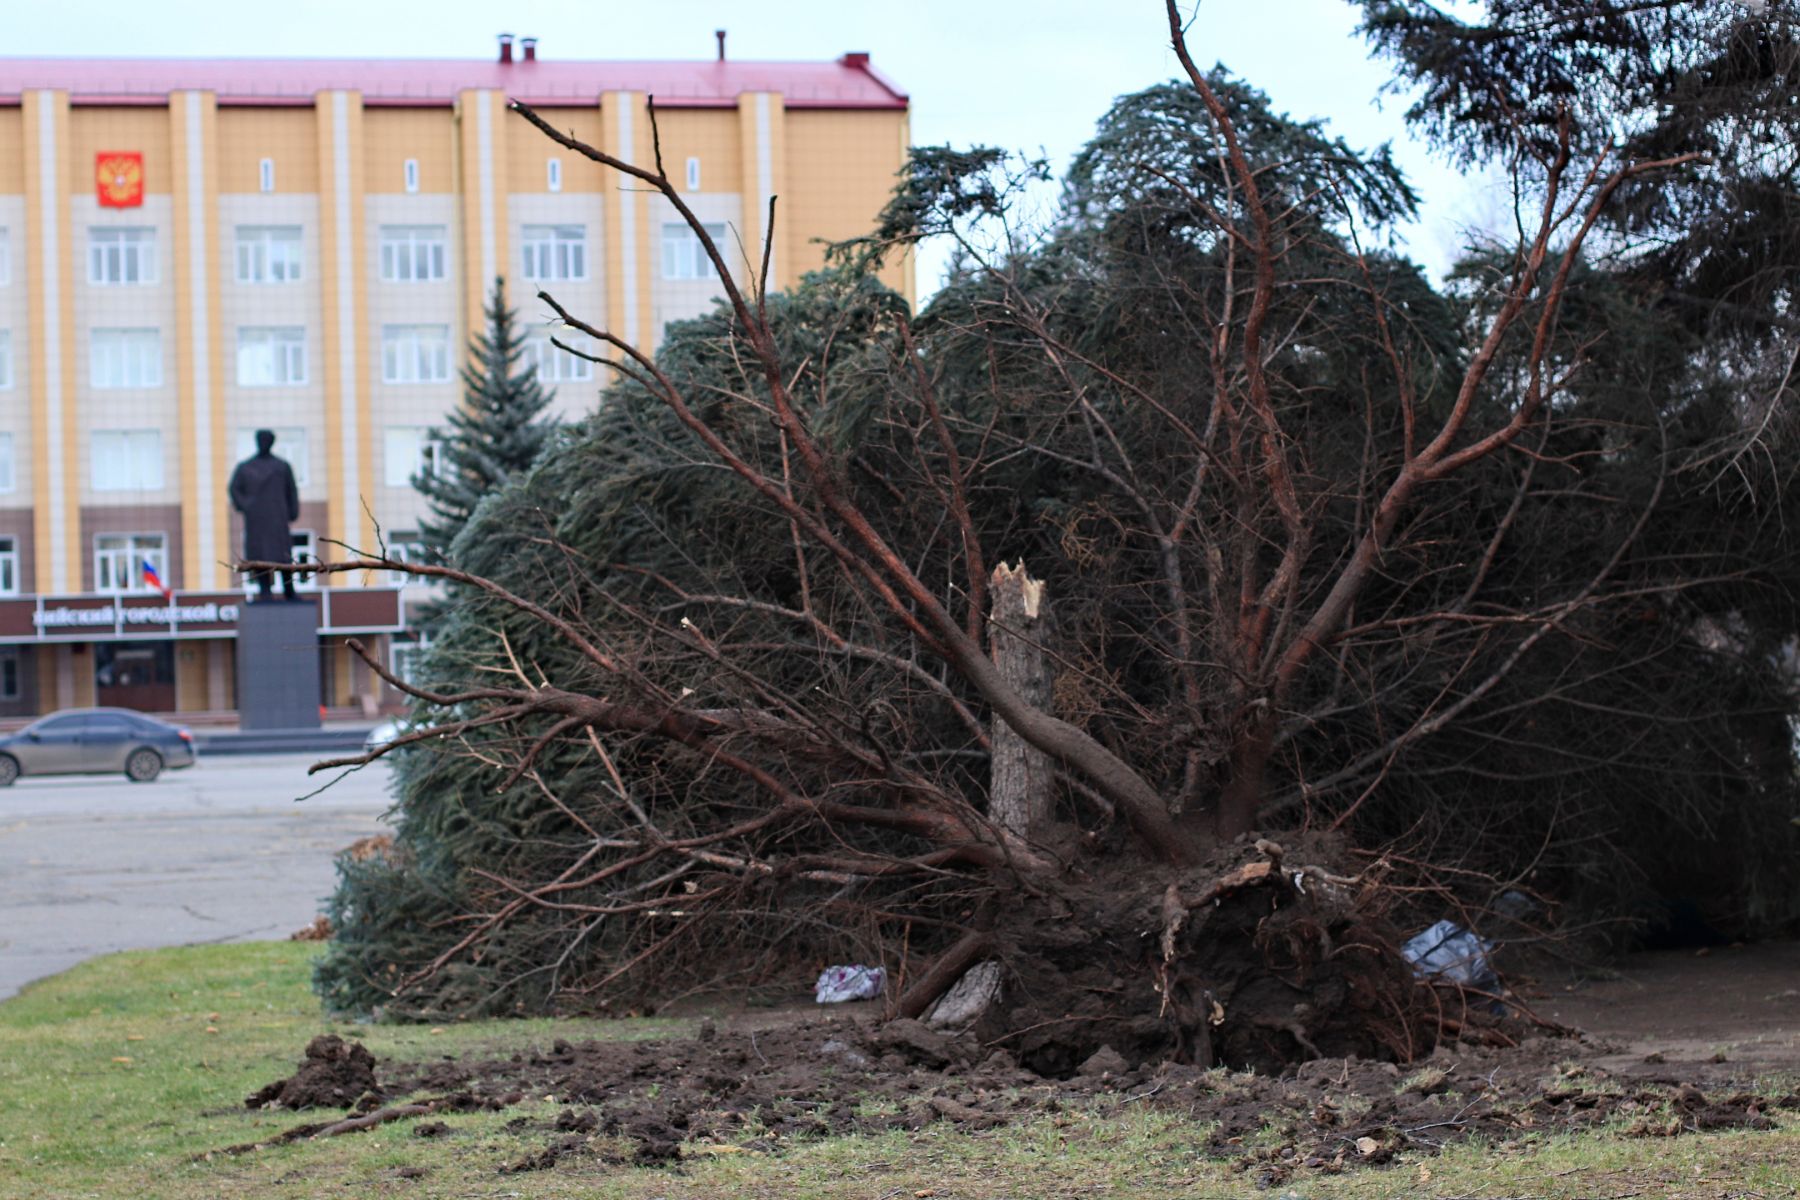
<point x="134" y="1037"/>
<point x="1424" y="1173"/>
<point x="212" y="1029"/>
<point x="1367" y="1145"/>
<point x="121" y="1060"/>
<point x="212" y="1016"/>
<point x="709" y="1148"/>
<point x="926" y="1192"/>
<point x="439" y="1029"/>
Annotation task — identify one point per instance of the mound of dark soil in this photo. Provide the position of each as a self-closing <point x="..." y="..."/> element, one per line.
<point x="334" y="1074"/>
<point x="654" y="1102"/>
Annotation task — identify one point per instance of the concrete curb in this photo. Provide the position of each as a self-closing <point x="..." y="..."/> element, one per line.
<point x="281" y="741"/>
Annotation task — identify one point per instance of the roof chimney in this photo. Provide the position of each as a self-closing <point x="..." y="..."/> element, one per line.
<point x="506" y="47"/>
<point x="720" y="34"/>
<point x="529" y="46"/>
<point x="856" y="58"/>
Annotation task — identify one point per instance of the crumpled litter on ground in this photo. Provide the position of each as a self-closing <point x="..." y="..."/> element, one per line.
<point x="853" y="982"/>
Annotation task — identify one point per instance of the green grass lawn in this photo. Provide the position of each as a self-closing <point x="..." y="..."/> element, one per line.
<point x="114" y="1076"/>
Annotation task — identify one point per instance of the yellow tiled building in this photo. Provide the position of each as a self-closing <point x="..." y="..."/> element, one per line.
<point x="191" y="250"/>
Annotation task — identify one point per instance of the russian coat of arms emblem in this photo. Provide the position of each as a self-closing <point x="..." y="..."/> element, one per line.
<point x="119" y="178"/>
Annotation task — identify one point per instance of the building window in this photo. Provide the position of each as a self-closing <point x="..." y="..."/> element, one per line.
<point x="5" y="359"/>
<point x="411" y="171"/>
<point x="555" y="251"/>
<point x="404" y="659"/>
<point x="553" y="174"/>
<point x="125" y="460"/>
<point x="271" y="357"/>
<point x="683" y="256"/>
<point x="415" y="353"/>
<point x="405" y="547"/>
<point x="121" y="256"/>
<point x="9" y="566"/>
<point x="120" y="558"/>
<point x="305" y="550"/>
<point x="7" y="477"/>
<point x="412" y="253"/>
<point x="265" y="174"/>
<point x="125" y="358"/>
<point x="693" y="172"/>
<point x="556" y="365"/>
<point x="268" y="254"/>
<point x="290" y="444"/>
<point x="410" y="451"/>
<point x="9" y="674"/>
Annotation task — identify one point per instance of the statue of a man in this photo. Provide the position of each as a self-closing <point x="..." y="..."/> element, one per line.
<point x="262" y="488"/>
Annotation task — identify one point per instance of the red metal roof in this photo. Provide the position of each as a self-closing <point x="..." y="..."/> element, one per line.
<point x="847" y="83"/>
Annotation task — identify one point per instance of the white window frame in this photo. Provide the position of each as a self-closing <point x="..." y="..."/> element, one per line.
<point x="409" y="174"/>
<point x="6" y="368"/>
<point x="558" y="366"/>
<point x="128" y="555"/>
<point x="693" y="174"/>
<point x="136" y="353"/>
<point x="305" y="548"/>
<point x="9" y="566"/>
<point x="414" y="253"/>
<point x="415" y="354"/>
<point x="407" y="450"/>
<point x="553" y="174"/>
<point x="683" y="257"/>
<point x="121" y="255"/>
<point x="269" y="254"/>
<point x="290" y="445"/>
<point x="265" y="174"/>
<point x="271" y="356"/>
<point x="405" y="547"/>
<point x="137" y="460"/>
<point x="402" y="655"/>
<point x="9" y="475"/>
<point x="554" y="252"/>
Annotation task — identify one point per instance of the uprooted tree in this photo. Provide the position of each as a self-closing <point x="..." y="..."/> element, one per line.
<point x="996" y="634"/>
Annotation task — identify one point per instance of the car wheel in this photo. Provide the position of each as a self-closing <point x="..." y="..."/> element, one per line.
<point x="143" y="765"/>
<point x="9" y="770"/>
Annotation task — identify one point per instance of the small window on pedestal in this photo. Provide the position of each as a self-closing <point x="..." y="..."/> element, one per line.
<point x="693" y="172"/>
<point x="553" y="174"/>
<point x="265" y="174"/>
<point x="412" y="174"/>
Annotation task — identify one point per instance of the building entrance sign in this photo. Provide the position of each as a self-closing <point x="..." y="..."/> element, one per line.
<point x="165" y="615"/>
<point x="89" y="617"/>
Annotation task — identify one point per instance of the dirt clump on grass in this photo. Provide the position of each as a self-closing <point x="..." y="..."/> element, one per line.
<point x="333" y="1074"/>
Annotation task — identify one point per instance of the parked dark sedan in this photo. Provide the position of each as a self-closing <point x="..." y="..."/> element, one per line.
<point x="93" y="741"/>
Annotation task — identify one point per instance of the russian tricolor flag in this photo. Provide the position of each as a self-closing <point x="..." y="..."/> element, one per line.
<point x="155" y="580"/>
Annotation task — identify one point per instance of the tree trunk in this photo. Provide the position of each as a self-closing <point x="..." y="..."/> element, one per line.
<point x="1241" y="796"/>
<point x="1022" y="777"/>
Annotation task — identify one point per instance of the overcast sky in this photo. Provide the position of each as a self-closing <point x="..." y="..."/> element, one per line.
<point x="1025" y="75"/>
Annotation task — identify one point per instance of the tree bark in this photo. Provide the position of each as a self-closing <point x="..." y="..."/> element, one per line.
<point x="1022" y="777"/>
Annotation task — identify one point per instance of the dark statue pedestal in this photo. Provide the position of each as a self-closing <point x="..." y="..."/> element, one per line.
<point x="278" y="665"/>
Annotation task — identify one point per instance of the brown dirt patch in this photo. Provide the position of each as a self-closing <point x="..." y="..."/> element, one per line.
<point x="764" y="1086"/>
<point x="334" y="1074"/>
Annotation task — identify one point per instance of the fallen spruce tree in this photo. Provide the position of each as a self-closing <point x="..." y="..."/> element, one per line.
<point x="991" y="645"/>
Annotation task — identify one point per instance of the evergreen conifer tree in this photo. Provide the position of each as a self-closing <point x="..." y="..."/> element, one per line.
<point x="496" y="433"/>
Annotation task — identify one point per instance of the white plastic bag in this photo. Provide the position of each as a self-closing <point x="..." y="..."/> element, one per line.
<point x="1448" y="951"/>
<point x="856" y="982"/>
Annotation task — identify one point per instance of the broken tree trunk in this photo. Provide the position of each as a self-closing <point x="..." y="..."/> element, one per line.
<point x="1021" y="792"/>
<point x="1022" y="777"/>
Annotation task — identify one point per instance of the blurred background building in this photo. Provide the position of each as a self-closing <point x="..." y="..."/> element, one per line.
<point x="191" y="250"/>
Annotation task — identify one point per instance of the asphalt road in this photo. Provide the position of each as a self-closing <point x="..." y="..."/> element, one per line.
<point x="219" y="852"/>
